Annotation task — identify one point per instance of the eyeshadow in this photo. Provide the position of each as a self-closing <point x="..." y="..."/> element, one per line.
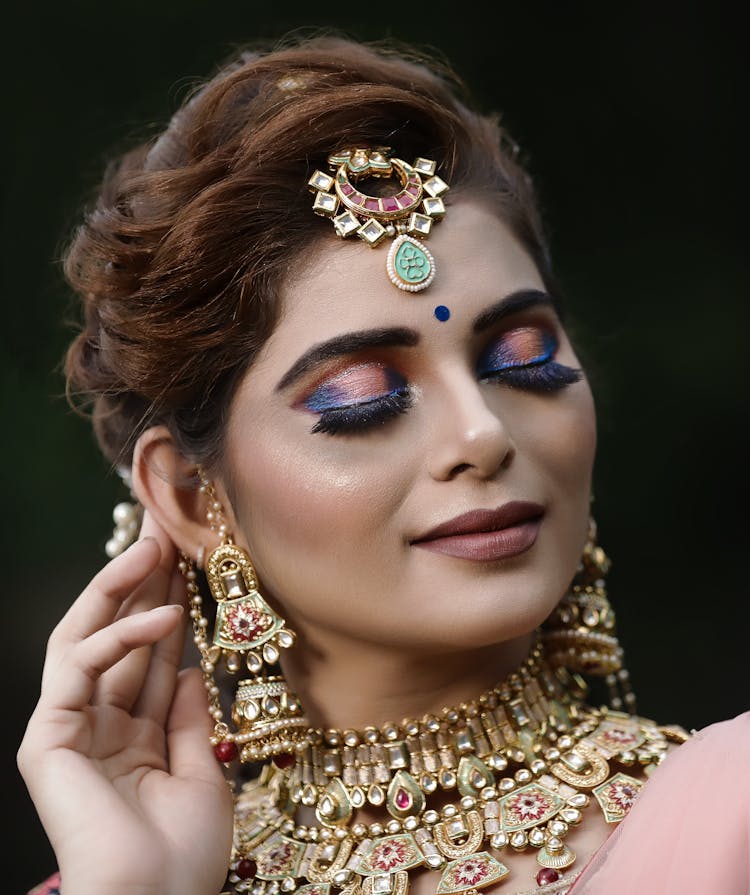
<point x="355" y="385"/>
<point x="519" y="347"/>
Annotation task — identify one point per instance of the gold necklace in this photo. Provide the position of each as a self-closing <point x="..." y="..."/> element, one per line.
<point x="521" y="763"/>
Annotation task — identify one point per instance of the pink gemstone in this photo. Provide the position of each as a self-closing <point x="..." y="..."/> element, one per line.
<point x="347" y="189"/>
<point x="405" y="199"/>
<point x="547" y="875"/>
<point x="402" y="800"/>
<point x="390" y="204"/>
<point x="372" y="205"/>
<point x="411" y="188"/>
<point x="357" y="198"/>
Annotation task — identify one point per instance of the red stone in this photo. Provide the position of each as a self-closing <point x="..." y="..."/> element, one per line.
<point x="357" y="198"/>
<point x="246" y="868"/>
<point x="225" y="751"/>
<point x="547" y="875"/>
<point x="347" y="189"/>
<point x="372" y="205"/>
<point x="283" y="761"/>
<point x="402" y="800"/>
<point x="390" y="204"/>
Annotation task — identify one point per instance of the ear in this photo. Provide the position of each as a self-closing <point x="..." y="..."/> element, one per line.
<point x="167" y="485"/>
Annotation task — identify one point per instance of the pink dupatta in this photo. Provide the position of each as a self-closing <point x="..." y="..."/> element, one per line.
<point x="688" y="832"/>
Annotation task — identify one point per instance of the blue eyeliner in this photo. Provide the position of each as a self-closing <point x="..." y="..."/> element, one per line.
<point x="366" y="396"/>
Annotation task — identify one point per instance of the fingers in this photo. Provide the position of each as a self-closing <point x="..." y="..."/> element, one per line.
<point x="150" y="528"/>
<point x="121" y="685"/>
<point x="72" y="684"/>
<point x="158" y="688"/>
<point x="99" y="603"/>
<point x="188" y="730"/>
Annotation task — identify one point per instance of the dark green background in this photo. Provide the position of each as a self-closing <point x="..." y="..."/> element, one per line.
<point x="634" y="124"/>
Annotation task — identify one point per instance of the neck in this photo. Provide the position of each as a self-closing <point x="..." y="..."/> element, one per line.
<point x="347" y="684"/>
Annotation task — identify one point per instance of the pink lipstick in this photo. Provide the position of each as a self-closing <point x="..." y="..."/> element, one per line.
<point x="486" y="535"/>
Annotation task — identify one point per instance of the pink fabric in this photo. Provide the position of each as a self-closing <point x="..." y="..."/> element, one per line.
<point x="689" y="831"/>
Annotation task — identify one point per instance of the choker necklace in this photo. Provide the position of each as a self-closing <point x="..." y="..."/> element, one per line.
<point x="510" y="771"/>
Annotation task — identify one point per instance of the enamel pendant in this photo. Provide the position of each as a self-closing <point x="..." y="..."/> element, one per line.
<point x="410" y="264"/>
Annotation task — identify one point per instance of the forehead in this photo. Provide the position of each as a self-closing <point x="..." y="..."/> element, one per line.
<point x="342" y="285"/>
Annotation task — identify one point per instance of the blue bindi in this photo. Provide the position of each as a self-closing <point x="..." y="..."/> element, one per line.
<point x="442" y="313"/>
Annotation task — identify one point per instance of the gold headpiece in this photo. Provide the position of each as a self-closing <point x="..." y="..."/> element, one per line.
<point x="407" y="215"/>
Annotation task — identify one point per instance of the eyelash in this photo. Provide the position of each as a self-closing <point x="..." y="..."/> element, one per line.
<point x="365" y="415"/>
<point x="544" y="375"/>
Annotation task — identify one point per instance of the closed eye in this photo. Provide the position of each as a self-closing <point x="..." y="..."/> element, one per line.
<point x="358" y="398"/>
<point x="523" y="358"/>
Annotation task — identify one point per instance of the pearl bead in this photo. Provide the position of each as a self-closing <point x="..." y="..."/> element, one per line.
<point x="123" y="513"/>
<point x="121" y="535"/>
<point x="113" y="548"/>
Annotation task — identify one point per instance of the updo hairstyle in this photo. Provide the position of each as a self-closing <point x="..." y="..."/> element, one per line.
<point x="180" y="262"/>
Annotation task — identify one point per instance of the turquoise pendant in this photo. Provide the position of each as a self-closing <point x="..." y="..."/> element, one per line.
<point x="410" y="264"/>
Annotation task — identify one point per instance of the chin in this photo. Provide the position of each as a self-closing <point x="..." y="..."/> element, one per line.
<point x="465" y="618"/>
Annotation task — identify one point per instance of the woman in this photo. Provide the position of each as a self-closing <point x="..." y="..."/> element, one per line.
<point x="388" y="451"/>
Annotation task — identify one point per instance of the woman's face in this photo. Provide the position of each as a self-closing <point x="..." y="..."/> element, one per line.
<point x="340" y="459"/>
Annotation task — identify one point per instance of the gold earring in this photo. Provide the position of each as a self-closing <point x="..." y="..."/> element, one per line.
<point x="268" y="718"/>
<point x="580" y="634"/>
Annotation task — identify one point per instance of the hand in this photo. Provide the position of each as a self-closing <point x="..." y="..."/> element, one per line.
<point x="116" y="754"/>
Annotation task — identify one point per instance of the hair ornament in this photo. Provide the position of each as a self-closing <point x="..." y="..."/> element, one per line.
<point x="407" y="215"/>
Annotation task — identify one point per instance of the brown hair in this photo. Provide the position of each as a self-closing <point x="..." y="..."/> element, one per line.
<point x="179" y="264"/>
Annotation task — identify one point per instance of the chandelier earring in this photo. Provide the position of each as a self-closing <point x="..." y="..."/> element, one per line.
<point x="580" y="634"/>
<point x="267" y="718"/>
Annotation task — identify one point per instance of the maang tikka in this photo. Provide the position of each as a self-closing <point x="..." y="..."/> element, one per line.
<point x="408" y="214"/>
<point x="248" y="636"/>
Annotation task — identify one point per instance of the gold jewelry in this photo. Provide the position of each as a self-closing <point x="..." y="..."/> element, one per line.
<point x="268" y="718"/>
<point x="580" y="634"/>
<point x="407" y="215"/>
<point x="521" y="761"/>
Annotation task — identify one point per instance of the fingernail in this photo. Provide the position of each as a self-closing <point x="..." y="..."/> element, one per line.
<point x="169" y="608"/>
<point x="142" y="541"/>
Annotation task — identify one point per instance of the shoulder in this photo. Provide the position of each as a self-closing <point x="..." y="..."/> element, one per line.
<point x="732" y="734"/>
<point x="723" y="744"/>
<point x="689" y="828"/>
<point x="708" y="769"/>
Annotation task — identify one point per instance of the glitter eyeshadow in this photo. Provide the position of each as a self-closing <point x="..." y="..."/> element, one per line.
<point x="518" y="347"/>
<point x="355" y="385"/>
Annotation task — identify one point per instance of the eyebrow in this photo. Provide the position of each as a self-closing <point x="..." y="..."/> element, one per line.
<point x="404" y="337"/>
<point x="348" y="343"/>
<point x="511" y="304"/>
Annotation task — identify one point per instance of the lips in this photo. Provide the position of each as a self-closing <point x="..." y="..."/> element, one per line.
<point x="478" y="521"/>
<point x="486" y="535"/>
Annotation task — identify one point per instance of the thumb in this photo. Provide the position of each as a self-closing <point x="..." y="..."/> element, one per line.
<point x="189" y="727"/>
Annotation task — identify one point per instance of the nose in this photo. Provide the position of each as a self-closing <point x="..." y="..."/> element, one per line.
<point x="470" y="437"/>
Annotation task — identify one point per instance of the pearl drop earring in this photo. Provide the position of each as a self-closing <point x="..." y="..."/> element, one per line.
<point x="127" y="518"/>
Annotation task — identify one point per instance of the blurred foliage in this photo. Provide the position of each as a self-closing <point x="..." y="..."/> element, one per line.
<point x="633" y="123"/>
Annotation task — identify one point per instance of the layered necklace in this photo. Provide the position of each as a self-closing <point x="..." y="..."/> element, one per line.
<point x="457" y="791"/>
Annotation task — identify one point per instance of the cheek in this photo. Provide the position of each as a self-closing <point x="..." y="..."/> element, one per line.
<point x="563" y="452"/>
<point x="315" y="511"/>
<point x="569" y="441"/>
<point x="559" y="434"/>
